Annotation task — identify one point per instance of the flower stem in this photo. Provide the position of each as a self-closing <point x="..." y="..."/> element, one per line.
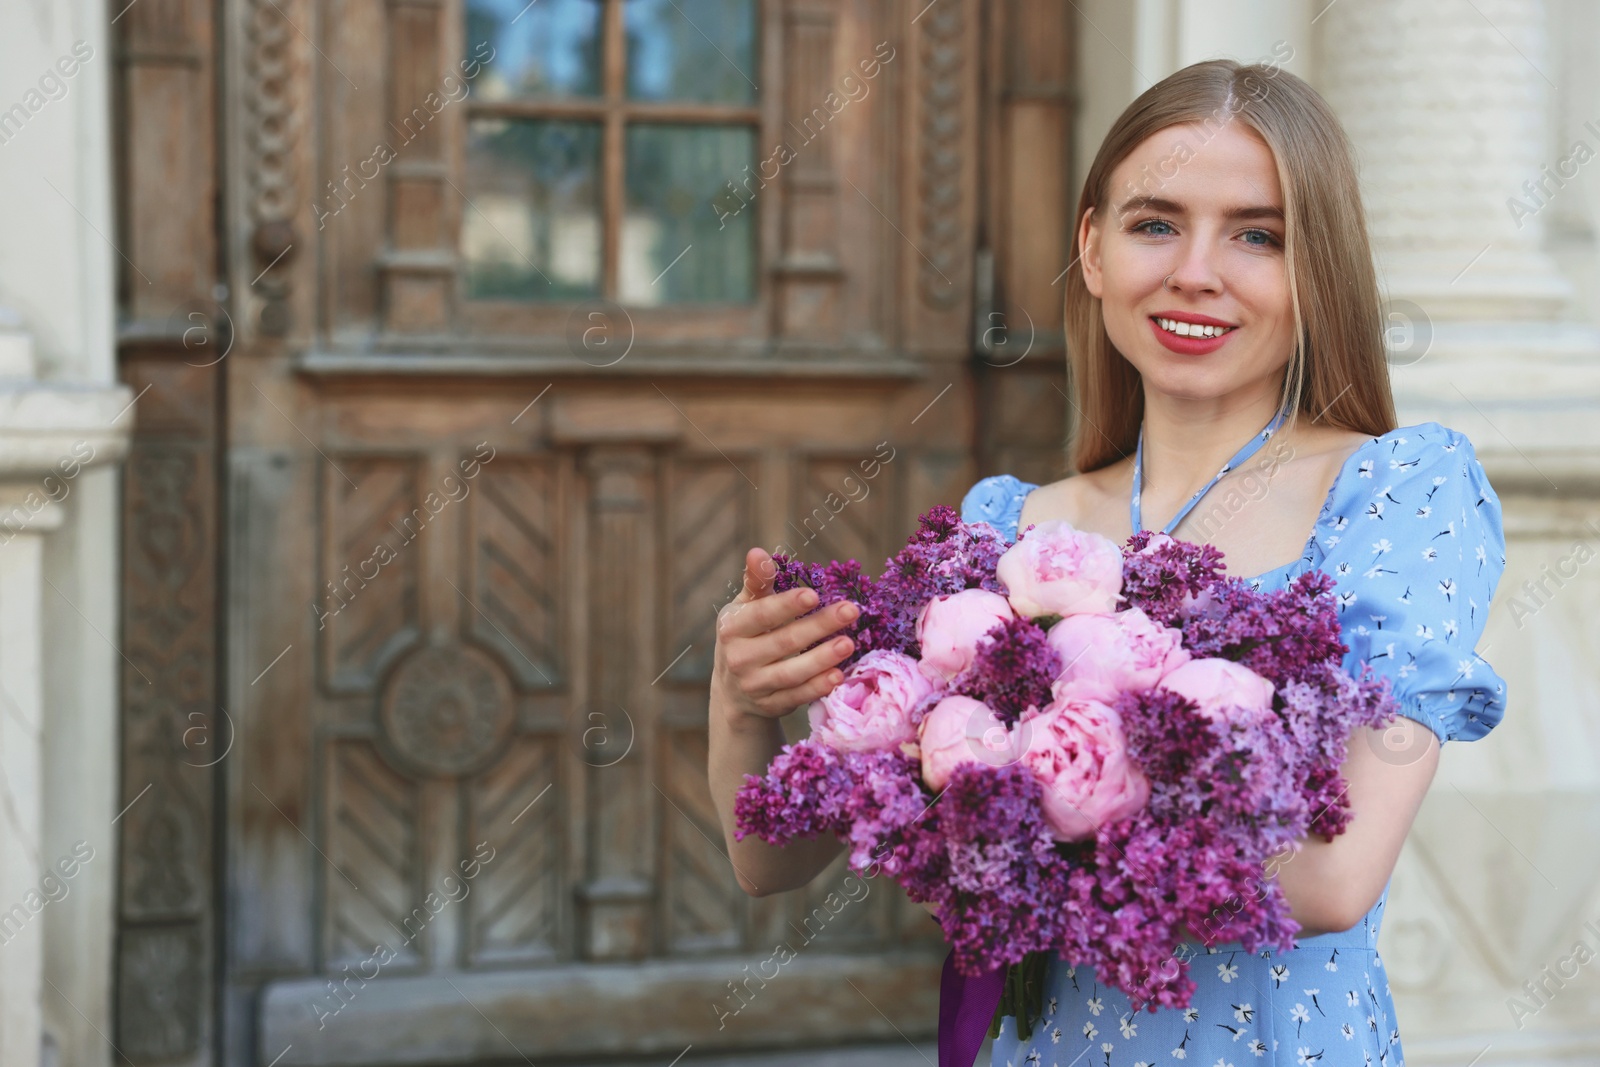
<point x="1022" y="995"/>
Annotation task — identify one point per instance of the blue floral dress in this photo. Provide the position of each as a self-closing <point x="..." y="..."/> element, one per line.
<point x="1411" y="533"/>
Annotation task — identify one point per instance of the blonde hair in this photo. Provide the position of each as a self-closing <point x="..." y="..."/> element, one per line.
<point x="1338" y="371"/>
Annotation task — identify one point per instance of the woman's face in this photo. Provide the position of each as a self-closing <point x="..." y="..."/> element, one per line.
<point x="1209" y="215"/>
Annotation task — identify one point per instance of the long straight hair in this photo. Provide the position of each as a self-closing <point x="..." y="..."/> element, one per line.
<point x="1338" y="372"/>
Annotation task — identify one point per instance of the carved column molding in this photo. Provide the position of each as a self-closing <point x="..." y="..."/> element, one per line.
<point x="272" y="138"/>
<point x="175" y="334"/>
<point x="174" y="732"/>
<point x="1446" y="104"/>
<point x="942" y="143"/>
<point x="418" y="265"/>
<point x="163" y="55"/>
<point x="809" y="275"/>
<point x="942" y="53"/>
<point x="620" y="801"/>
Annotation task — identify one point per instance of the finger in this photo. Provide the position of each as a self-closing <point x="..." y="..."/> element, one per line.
<point x="755" y="585"/>
<point x="787" y="700"/>
<point x="750" y="618"/>
<point x="759" y="573"/>
<point x="796" y="635"/>
<point x="797" y="670"/>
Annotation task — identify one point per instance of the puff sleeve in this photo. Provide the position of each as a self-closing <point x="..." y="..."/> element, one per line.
<point x="996" y="500"/>
<point x="1414" y="542"/>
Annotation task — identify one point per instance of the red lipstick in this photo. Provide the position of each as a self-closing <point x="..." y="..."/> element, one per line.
<point x="1190" y="346"/>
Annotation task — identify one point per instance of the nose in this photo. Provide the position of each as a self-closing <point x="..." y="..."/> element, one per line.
<point x="1194" y="270"/>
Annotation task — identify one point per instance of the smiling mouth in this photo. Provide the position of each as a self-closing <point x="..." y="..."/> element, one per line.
<point x="1191" y="329"/>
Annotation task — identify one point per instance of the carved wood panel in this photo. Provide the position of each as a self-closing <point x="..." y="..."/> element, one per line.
<point x="161" y="983"/>
<point x="375" y="509"/>
<point x="702" y="907"/>
<point x="373" y="879"/>
<point x="516" y="546"/>
<point x="174" y="731"/>
<point x="519" y="909"/>
<point x="839" y="513"/>
<point x="710" y="519"/>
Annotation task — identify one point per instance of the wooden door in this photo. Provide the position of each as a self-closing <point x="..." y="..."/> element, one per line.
<point x="537" y="317"/>
<point x="504" y="788"/>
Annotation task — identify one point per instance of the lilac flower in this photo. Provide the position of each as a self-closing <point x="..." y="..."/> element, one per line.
<point x="1012" y="670"/>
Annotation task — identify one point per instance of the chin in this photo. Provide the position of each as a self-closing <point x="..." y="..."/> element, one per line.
<point x="1201" y="385"/>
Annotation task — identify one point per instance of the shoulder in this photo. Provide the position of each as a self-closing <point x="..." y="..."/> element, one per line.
<point x="996" y="500"/>
<point x="1414" y="543"/>
<point x="1426" y="464"/>
<point x="1411" y="501"/>
<point x="1419" y="444"/>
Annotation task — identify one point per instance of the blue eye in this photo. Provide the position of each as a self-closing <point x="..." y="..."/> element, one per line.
<point x="1140" y="227"/>
<point x="1271" y="238"/>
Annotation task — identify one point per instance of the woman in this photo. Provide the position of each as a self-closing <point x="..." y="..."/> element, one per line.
<point x="1225" y="343"/>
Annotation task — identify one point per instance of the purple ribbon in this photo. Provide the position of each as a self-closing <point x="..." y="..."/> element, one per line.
<point x="966" y="1007"/>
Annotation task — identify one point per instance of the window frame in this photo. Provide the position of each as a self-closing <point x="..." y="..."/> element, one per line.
<point x="706" y="322"/>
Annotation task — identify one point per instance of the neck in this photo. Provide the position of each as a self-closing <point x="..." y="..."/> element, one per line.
<point x="1187" y="442"/>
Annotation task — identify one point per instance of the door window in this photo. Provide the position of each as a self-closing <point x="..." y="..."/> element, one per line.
<point x="604" y="141"/>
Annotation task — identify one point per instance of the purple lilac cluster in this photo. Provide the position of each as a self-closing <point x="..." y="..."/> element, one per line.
<point x="1225" y="795"/>
<point x="945" y="555"/>
<point x="1290" y="637"/>
<point x="1012" y="671"/>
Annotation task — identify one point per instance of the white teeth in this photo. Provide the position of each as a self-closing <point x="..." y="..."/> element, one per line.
<point x="1189" y="329"/>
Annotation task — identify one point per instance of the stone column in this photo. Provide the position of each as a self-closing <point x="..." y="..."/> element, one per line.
<point x="61" y="411"/>
<point x="49" y="435"/>
<point x="21" y="768"/>
<point x="1450" y="107"/>
<point x="1447" y="104"/>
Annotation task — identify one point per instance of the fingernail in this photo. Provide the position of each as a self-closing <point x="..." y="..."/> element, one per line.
<point x="807" y="598"/>
<point x="850" y="611"/>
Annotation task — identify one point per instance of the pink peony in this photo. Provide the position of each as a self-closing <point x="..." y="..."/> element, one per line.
<point x="961" y="730"/>
<point x="1104" y="655"/>
<point x="949" y="628"/>
<point x="875" y="706"/>
<point x="1077" y="751"/>
<point x="1057" y="569"/>
<point x="1224" y="689"/>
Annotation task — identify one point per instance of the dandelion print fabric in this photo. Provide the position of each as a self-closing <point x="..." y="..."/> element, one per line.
<point x="1411" y="533"/>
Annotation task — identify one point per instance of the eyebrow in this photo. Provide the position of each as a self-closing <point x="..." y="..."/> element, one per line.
<point x="1172" y="207"/>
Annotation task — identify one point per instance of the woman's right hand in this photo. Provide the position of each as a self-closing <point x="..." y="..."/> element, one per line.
<point x="758" y="668"/>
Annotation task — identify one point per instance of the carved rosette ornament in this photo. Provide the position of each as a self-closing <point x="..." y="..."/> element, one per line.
<point x="446" y="712"/>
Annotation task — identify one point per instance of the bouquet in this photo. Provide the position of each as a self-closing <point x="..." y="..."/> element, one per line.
<point x="1073" y="749"/>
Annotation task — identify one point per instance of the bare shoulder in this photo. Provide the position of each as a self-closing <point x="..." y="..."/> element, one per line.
<point x="1329" y="447"/>
<point x="1086" y="501"/>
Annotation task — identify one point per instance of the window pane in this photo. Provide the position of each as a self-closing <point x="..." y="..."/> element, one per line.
<point x="545" y="49"/>
<point x="531" y="227"/>
<point x="678" y="198"/>
<point x="694" y="50"/>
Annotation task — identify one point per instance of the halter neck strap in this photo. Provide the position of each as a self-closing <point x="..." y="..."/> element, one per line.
<point x="1250" y="448"/>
